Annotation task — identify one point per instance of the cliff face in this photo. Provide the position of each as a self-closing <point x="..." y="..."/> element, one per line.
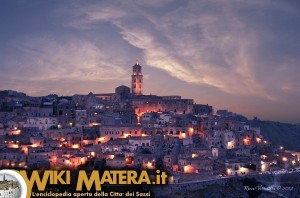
<point x="286" y="135"/>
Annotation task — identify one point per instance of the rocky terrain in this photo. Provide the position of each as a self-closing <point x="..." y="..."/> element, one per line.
<point x="284" y="134"/>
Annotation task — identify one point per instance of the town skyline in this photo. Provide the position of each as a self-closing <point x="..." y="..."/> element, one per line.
<point x="240" y="56"/>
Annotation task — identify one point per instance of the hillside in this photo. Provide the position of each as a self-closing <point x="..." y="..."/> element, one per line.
<point x="286" y="135"/>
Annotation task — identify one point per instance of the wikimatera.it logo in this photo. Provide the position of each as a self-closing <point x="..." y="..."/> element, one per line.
<point x="85" y="181"/>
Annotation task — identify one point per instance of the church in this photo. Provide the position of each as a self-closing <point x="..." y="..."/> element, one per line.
<point x="147" y="103"/>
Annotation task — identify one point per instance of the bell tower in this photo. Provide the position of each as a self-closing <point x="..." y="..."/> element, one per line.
<point x="137" y="79"/>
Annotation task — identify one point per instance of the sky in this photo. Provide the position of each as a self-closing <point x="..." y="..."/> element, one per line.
<point x="7" y="177"/>
<point x="238" y="55"/>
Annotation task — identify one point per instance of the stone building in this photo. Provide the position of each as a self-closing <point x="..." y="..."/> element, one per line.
<point x="137" y="79"/>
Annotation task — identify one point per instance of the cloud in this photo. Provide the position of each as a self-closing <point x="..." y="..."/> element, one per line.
<point x="46" y="61"/>
<point x="74" y="59"/>
<point x="200" y="42"/>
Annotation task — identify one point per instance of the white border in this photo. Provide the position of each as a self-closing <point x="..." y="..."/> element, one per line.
<point x="19" y="178"/>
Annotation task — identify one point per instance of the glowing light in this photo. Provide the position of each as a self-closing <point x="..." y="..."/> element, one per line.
<point x="149" y="164"/>
<point x="246" y="141"/>
<point x="243" y="170"/>
<point x="126" y="135"/>
<point x="191" y="131"/>
<point x="229" y="171"/>
<point x="263" y="166"/>
<point x="101" y="139"/>
<point x="129" y="160"/>
<point x="138" y="119"/>
<point x="13" y="146"/>
<point x="258" y="140"/>
<point x="281" y="147"/>
<point x="112" y="156"/>
<point x="285" y="159"/>
<point x="230" y="145"/>
<point x="182" y="135"/>
<point x="75" y="146"/>
<point x="188" y="169"/>
<point x="94" y="124"/>
<point x="25" y="150"/>
<point x="171" y="179"/>
<point x="85" y="142"/>
<point x="263" y="156"/>
<point x="16" y="132"/>
<point x="194" y="155"/>
<point x="6" y="163"/>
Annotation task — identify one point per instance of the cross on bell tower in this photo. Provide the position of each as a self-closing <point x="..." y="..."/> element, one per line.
<point x="137" y="79"/>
